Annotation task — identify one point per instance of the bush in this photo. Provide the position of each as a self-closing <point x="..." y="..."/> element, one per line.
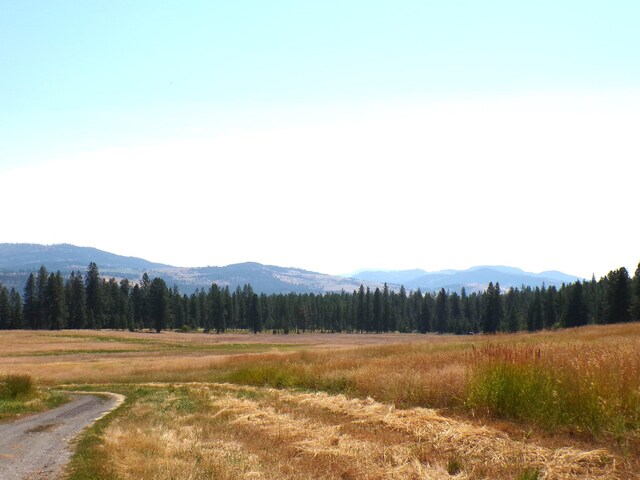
<point x="14" y="385"/>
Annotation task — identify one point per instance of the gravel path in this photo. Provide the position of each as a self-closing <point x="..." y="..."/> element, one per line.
<point x="38" y="446"/>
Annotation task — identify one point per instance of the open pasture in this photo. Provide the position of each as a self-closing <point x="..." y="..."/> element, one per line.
<point x="563" y="404"/>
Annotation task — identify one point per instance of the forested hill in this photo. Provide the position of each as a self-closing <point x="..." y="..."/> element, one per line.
<point x="87" y="300"/>
<point x="17" y="261"/>
<point x="67" y="258"/>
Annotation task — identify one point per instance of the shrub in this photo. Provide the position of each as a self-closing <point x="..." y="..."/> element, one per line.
<point x="14" y="385"/>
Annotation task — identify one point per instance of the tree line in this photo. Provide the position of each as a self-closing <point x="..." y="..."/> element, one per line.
<point x="87" y="300"/>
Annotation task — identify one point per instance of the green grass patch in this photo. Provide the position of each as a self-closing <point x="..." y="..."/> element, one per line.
<point x="287" y="375"/>
<point x="529" y="474"/>
<point x="534" y="393"/>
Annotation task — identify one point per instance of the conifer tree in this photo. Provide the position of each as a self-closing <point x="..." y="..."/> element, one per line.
<point x="94" y="295"/>
<point x="15" y="301"/>
<point x="635" y="295"/>
<point x="377" y="310"/>
<point x="575" y="314"/>
<point x="253" y="313"/>
<point x="217" y="309"/>
<point x="550" y="308"/>
<point x="31" y="308"/>
<point x="54" y="304"/>
<point x="5" y="308"/>
<point x="618" y="296"/>
<point x="41" y="296"/>
<point x="442" y="312"/>
<point x="159" y="304"/>
<point x="512" y="320"/>
<point x="426" y="314"/>
<point x="76" y="301"/>
<point x="534" y="312"/>
<point x="492" y="315"/>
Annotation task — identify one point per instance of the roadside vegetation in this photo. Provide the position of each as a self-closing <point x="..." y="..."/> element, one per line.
<point x="19" y="395"/>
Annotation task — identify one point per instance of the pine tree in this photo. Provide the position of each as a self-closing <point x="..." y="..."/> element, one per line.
<point x="41" y="296"/>
<point x="426" y="314"/>
<point x="217" y="309"/>
<point x="158" y="304"/>
<point x="618" y="297"/>
<point x="253" y="313"/>
<point x="5" y="308"/>
<point x="377" y="310"/>
<point x="31" y="309"/>
<point x="361" y="310"/>
<point x="387" y="318"/>
<point x="94" y="295"/>
<point x="455" y="313"/>
<point x="492" y="317"/>
<point x="17" y="317"/>
<point x="442" y="312"/>
<point x="76" y="301"/>
<point x="575" y="314"/>
<point x="550" y="308"/>
<point x="54" y="302"/>
<point x="125" y="304"/>
<point x="635" y="295"/>
<point x="512" y="310"/>
<point x="534" y="312"/>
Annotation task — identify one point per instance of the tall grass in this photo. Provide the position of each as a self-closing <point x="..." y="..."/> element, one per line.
<point x="591" y="389"/>
<point x="19" y="395"/>
<point x="13" y="386"/>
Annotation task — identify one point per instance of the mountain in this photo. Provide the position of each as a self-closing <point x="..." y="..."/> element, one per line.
<point x="17" y="261"/>
<point x="397" y="277"/>
<point x="65" y="257"/>
<point x="472" y="279"/>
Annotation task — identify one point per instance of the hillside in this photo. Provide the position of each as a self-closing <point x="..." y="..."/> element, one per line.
<point x="17" y="261"/>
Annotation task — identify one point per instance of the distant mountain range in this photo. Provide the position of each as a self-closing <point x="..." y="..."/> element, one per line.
<point x="472" y="279"/>
<point x="17" y="261"/>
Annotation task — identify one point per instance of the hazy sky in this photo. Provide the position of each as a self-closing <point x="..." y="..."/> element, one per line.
<point x="330" y="136"/>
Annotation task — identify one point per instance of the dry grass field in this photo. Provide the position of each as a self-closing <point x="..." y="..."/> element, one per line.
<point x="562" y="404"/>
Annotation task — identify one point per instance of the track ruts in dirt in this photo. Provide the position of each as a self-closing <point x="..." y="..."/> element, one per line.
<point x="38" y="446"/>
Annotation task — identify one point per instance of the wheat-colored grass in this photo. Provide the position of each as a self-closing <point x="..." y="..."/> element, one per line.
<point x="383" y="427"/>
<point x="229" y="431"/>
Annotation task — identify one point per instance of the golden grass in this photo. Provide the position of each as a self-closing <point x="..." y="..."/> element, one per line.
<point x="385" y="426"/>
<point x="225" y="431"/>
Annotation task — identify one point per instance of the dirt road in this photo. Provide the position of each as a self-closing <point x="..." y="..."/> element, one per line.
<point x="38" y="446"/>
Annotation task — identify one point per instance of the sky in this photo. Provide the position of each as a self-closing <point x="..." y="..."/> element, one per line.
<point x="331" y="136"/>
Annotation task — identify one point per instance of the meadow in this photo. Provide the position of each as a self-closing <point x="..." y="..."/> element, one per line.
<point x="553" y="404"/>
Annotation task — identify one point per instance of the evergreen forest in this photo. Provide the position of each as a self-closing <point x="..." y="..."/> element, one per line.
<point x="85" y="300"/>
